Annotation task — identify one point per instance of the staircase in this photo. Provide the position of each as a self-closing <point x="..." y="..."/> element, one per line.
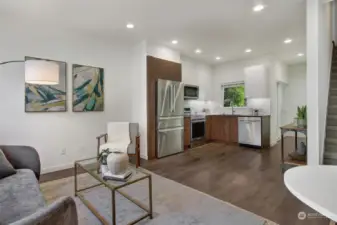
<point x="330" y="151"/>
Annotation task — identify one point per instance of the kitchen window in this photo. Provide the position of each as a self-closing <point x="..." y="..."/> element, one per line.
<point x="234" y="94"/>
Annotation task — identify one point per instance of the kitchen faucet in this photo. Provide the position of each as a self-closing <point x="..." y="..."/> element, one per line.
<point x="231" y="104"/>
<point x="233" y="111"/>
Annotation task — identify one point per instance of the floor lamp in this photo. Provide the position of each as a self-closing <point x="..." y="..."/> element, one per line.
<point x="39" y="71"/>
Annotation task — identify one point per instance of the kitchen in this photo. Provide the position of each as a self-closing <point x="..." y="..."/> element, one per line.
<point x="247" y="122"/>
<point x="243" y="125"/>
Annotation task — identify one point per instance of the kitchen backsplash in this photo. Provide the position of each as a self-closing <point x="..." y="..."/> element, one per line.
<point x="262" y="104"/>
<point x="211" y="107"/>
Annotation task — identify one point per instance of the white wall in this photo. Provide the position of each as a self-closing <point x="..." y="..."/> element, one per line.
<point x="295" y="92"/>
<point x="278" y="73"/>
<point x="281" y="73"/>
<point x="139" y="93"/>
<point x="319" y="38"/>
<point x="334" y="20"/>
<point x="50" y="133"/>
<point x="162" y="52"/>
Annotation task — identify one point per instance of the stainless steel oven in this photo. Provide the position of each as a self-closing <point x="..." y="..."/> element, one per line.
<point x="198" y="127"/>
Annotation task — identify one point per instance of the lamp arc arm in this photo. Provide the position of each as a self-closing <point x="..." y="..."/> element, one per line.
<point x="13" y="61"/>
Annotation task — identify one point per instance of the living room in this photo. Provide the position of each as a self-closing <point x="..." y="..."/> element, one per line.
<point x="116" y="43"/>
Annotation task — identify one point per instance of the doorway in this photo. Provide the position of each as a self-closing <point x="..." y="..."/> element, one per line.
<point x="281" y="112"/>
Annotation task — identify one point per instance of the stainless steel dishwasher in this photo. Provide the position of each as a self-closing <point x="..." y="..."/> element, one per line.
<point x="250" y="131"/>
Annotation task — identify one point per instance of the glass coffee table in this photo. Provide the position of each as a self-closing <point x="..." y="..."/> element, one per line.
<point x="90" y="166"/>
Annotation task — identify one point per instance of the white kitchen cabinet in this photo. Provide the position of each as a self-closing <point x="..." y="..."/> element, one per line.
<point x="256" y="82"/>
<point x="198" y="74"/>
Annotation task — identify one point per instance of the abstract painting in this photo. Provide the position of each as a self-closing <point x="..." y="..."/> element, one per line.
<point x="47" y="98"/>
<point x="88" y="88"/>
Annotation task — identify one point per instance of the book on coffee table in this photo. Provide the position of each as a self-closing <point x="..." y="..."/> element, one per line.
<point x="107" y="175"/>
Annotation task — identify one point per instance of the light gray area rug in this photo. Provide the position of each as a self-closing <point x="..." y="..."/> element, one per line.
<point x="173" y="203"/>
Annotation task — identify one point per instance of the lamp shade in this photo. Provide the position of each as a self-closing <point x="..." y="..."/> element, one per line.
<point x="41" y="72"/>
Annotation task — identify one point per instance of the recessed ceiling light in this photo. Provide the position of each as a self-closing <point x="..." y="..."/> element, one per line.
<point x="218" y="58"/>
<point x="248" y="50"/>
<point x="198" y="51"/>
<point x="288" y="41"/>
<point x="130" y="26"/>
<point x="300" y="54"/>
<point x="258" y="8"/>
<point x="174" y="42"/>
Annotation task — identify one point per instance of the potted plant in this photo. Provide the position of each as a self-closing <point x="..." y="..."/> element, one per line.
<point x="302" y="116"/>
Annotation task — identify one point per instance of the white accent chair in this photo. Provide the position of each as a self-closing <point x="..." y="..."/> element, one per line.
<point x="122" y="136"/>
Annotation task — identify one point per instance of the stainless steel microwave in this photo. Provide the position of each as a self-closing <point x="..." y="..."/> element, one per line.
<point x="191" y="92"/>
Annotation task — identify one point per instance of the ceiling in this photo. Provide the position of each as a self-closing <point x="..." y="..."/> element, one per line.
<point x="219" y="27"/>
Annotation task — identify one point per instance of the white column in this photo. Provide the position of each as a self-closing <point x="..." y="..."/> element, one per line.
<point x="334" y="21"/>
<point x="313" y="19"/>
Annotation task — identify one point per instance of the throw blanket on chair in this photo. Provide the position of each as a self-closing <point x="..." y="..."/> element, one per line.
<point x="118" y="137"/>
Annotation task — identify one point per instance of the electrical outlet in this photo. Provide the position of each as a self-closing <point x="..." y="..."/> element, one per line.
<point x="63" y="151"/>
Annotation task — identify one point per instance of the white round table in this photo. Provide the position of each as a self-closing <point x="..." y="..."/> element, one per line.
<point x="316" y="186"/>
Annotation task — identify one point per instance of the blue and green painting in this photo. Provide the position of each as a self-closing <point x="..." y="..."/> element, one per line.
<point x="47" y="98"/>
<point x="88" y="88"/>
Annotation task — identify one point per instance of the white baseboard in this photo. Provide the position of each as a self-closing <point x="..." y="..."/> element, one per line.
<point x="144" y="156"/>
<point x="67" y="166"/>
<point x="273" y="144"/>
<point x="57" y="168"/>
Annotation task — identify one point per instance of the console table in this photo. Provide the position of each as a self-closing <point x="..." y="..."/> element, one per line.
<point x="285" y="162"/>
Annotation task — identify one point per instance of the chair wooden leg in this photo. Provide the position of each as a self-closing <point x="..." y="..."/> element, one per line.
<point x="98" y="144"/>
<point x="138" y="160"/>
<point x="137" y="151"/>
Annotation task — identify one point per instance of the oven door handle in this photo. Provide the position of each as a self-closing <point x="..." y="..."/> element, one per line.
<point x="198" y="121"/>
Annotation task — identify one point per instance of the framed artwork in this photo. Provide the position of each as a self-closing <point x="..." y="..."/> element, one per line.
<point x="47" y="98"/>
<point x="88" y="88"/>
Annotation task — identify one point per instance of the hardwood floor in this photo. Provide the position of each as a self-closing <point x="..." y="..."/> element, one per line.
<point x="244" y="177"/>
<point x="56" y="175"/>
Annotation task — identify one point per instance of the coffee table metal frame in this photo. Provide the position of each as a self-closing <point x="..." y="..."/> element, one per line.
<point x="113" y="188"/>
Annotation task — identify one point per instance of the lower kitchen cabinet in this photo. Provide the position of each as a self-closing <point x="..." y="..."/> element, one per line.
<point x="223" y="128"/>
<point x="208" y="128"/>
<point x="187" y="132"/>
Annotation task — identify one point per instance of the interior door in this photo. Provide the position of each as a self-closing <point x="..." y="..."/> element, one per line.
<point x="281" y="113"/>
<point x="164" y="98"/>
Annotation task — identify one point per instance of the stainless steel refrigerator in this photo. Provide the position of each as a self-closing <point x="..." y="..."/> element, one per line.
<point x="170" y="117"/>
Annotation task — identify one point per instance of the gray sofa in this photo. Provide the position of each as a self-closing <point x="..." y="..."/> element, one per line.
<point x="21" y="202"/>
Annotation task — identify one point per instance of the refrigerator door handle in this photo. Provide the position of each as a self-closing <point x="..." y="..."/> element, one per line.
<point x="170" y="129"/>
<point x="176" y="95"/>
<point x="167" y="86"/>
<point x="172" y="98"/>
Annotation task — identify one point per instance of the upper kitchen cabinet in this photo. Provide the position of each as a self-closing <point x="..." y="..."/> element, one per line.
<point x="256" y="82"/>
<point x="197" y="74"/>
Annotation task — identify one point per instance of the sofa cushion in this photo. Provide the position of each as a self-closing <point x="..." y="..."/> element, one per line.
<point x="20" y="196"/>
<point x="6" y="168"/>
